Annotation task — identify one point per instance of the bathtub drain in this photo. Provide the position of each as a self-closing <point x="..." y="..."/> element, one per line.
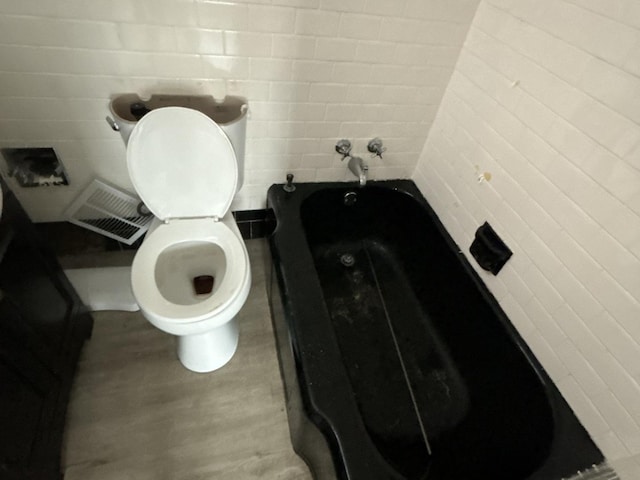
<point x="347" y="260"/>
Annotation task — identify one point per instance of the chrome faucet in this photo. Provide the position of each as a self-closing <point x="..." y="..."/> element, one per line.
<point x="359" y="169"/>
<point x="356" y="164"/>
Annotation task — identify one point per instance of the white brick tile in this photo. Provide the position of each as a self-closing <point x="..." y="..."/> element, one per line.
<point x="535" y="115"/>
<point x="422" y="32"/>
<point x="302" y="145"/>
<point x="331" y="175"/>
<point x="253" y="89"/>
<point x="383" y="7"/>
<point x="59" y="33"/>
<point x="623" y="11"/>
<point x="577" y="331"/>
<point x="540" y="253"/>
<point x="542" y="289"/>
<point x="353" y="73"/>
<point x="293" y="46"/>
<point x="612" y="130"/>
<point x="327" y="92"/>
<point x="546" y="325"/>
<point x="611" y="446"/>
<point x="459" y="12"/>
<point x="271" y="19"/>
<point x="312" y="71"/>
<point x="622" y="385"/>
<point x="575" y="25"/>
<point x="517" y="316"/>
<point x="152" y="12"/>
<point x="615" y="259"/>
<point x="269" y="111"/>
<point x="192" y="40"/>
<point x="364" y="27"/>
<point x="270" y="69"/>
<point x="547" y="357"/>
<point x="620" y="420"/>
<point x="606" y="82"/>
<point x="621" y="345"/>
<point x="539" y="220"/>
<point x="306" y="111"/>
<point x="298" y="3"/>
<point x="289" y="92"/>
<point x="413" y="54"/>
<point x="356" y="129"/>
<point x="338" y="50"/>
<point x="293" y="130"/>
<point x="317" y="22"/>
<point x="149" y="38"/>
<point x="567" y="61"/>
<point x="248" y="44"/>
<point x="589" y="381"/>
<point x="343" y="5"/>
<point x="617" y="301"/>
<point x="225" y="16"/>
<point x="376" y="52"/>
<point x="225" y="67"/>
<point x="516" y="286"/>
<point x="317" y="160"/>
<point x="569" y="141"/>
<point x="624" y="180"/>
<point x="363" y="93"/>
<point x="627" y="468"/>
<point x="632" y="63"/>
<point x="582" y="406"/>
<point x="343" y="112"/>
<point x="574" y="257"/>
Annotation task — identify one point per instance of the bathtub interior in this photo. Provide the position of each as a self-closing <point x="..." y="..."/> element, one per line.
<point x="431" y="371"/>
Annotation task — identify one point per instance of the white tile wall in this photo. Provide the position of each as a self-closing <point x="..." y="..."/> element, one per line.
<point x="545" y="97"/>
<point x="313" y="70"/>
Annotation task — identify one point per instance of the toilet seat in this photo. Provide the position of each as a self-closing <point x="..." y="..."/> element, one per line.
<point x="231" y="291"/>
<point x="182" y="164"/>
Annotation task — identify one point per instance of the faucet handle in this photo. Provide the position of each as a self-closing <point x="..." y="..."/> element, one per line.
<point x="343" y="147"/>
<point x="375" y="147"/>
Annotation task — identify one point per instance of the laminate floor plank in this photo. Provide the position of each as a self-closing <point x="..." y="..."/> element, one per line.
<point x="136" y="413"/>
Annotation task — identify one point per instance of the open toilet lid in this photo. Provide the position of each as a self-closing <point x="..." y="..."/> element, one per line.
<point x="182" y="164"/>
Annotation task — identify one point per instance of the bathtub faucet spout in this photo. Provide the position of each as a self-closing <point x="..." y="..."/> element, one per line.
<point x="359" y="169"/>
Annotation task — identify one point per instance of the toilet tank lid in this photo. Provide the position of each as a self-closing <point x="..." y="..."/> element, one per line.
<point x="182" y="164"/>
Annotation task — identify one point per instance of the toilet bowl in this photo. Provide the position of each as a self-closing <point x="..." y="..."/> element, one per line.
<point x="185" y="171"/>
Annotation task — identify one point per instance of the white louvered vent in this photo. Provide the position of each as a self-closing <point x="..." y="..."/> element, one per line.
<point x="110" y="212"/>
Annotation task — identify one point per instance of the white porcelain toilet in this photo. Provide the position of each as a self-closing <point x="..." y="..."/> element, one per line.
<point x="184" y="169"/>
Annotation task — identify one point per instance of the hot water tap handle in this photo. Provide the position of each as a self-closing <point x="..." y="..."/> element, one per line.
<point x="343" y="147"/>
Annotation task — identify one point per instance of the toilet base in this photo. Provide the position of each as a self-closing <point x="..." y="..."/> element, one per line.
<point x="209" y="351"/>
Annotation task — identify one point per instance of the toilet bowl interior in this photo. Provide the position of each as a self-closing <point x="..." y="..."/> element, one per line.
<point x="181" y="266"/>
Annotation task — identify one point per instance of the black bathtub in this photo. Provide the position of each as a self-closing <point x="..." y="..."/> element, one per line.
<point x="397" y="361"/>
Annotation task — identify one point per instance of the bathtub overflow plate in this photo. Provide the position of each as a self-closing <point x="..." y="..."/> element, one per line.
<point x="350" y="198"/>
<point x="347" y="260"/>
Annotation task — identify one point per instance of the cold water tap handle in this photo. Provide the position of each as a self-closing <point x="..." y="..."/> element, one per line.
<point x="375" y="147"/>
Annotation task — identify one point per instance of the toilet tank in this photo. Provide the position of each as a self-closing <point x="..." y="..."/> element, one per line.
<point x="230" y="114"/>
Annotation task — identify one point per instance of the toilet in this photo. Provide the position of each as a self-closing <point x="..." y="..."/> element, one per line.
<point x="191" y="275"/>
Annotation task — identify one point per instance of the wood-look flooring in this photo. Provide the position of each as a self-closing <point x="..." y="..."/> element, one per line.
<point x="137" y="414"/>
